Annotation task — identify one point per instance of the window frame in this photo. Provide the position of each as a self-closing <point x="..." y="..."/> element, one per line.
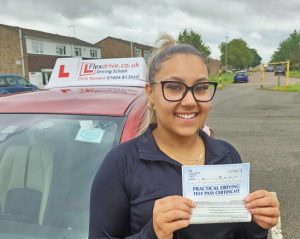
<point x="37" y="47"/>
<point x="77" y="51"/>
<point x="61" y="50"/>
<point x="93" y="53"/>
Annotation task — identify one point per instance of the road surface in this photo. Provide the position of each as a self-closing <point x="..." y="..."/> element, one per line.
<point x="264" y="126"/>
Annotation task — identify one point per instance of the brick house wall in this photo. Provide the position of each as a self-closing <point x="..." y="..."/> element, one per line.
<point x="118" y="48"/>
<point x="113" y="48"/>
<point x="10" y="53"/>
<point x="213" y="66"/>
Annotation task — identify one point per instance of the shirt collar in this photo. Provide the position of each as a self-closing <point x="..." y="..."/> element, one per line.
<point x="148" y="149"/>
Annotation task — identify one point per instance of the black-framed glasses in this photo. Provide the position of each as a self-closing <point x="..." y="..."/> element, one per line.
<point x="175" y="91"/>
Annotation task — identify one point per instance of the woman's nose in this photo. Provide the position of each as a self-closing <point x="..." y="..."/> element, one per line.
<point x="188" y="99"/>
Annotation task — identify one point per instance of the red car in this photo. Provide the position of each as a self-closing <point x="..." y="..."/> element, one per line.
<point x="52" y="143"/>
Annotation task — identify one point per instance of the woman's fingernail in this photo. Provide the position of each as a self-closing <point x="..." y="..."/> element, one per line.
<point x="247" y="199"/>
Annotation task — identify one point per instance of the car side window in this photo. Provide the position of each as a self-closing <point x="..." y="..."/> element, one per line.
<point x="23" y="82"/>
<point x="11" y="81"/>
<point x="3" y="82"/>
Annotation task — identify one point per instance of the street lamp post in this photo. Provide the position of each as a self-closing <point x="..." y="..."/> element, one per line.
<point x="226" y="55"/>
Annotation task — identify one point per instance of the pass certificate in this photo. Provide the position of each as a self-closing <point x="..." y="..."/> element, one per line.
<point x="218" y="191"/>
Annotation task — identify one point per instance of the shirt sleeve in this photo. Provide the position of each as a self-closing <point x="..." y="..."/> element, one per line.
<point x="110" y="205"/>
<point x="234" y="155"/>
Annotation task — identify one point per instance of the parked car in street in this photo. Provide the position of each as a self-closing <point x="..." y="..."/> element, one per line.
<point x="240" y="76"/>
<point x="279" y="70"/>
<point x="52" y="142"/>
<point x="3" y="91"/>
<point x="254" y="69"/>
<point x="269" y="69"/>
<point x="11" y="83"/>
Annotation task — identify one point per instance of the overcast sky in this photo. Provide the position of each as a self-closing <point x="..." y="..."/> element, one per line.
<point x="262" y="24"/>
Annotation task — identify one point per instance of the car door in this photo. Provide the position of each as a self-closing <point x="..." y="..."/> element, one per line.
<point x="24" y="84"/>
<point x="11" y="82"/>
<point x="3" y="85"/>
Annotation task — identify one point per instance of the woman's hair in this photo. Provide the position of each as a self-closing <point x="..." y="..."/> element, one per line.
<point x="167" y="47"/>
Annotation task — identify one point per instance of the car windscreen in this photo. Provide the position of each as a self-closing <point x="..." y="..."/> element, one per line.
<point x="240" y="73"/>
<point x="47" y="164"/>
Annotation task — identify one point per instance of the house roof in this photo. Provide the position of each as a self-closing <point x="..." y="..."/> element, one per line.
<point x="135" y="44"/>
<point x="48" y="36"/>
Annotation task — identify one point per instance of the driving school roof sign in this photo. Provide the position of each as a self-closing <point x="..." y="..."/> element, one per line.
<point x="78" y="72"/>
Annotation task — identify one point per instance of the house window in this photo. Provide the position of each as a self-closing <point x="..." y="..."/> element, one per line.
<point x="137" y="52"/>
<point x="77" y="51"/>
<point x="146" y="54"/>
<point x="61" y="50"/>
<point x="37" y="47"/>
<point x="93" y="53"/>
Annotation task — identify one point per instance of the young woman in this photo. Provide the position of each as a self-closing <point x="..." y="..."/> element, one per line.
<point x="137" y="192"/>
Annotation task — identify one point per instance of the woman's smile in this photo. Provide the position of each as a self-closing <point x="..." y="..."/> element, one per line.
<point x="186" y="115"/>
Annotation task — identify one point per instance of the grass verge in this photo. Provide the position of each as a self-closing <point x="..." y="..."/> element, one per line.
<point x="295" y="74"/>
<point x="224" y="79"/>
<point x="289" y="88"/>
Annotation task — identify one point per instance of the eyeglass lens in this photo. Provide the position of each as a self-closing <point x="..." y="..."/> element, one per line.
<point x="175" y="91"/>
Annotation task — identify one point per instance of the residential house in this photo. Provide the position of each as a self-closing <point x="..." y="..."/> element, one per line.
<point x="214" y="66"/>
<point x="118" y="48"/>
<point x="33" y="53"/>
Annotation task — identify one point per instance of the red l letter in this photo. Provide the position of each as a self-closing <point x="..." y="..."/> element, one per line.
<point x="62" y="73"/>
<point x="86" y="70"/>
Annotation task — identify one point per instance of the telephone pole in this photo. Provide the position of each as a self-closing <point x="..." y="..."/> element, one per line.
<point x="226" y="54"/>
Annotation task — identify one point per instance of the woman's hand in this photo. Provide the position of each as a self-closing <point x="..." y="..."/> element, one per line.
<point x="264" y="207"/>
<point x="170" y="214"/>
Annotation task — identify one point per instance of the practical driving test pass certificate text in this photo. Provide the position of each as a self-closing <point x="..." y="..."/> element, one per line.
<point x="218" y="191"/>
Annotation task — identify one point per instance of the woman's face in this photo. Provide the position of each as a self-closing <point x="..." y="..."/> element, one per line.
<point x="185" y="117"/>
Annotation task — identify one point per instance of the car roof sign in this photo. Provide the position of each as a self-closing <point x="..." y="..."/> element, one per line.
<point x="118" y="71"/>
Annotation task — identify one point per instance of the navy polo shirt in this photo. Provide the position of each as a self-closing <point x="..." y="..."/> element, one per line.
<point x="135" y="174"/>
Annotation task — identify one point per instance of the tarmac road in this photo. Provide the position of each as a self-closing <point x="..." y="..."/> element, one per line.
<point x="264" y="126"/>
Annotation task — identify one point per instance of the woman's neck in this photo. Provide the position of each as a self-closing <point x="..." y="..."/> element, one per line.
<point x="173" y="140"/>
<point x="187" y="150"/>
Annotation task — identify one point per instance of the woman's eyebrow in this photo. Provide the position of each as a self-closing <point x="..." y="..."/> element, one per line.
<point x="202" y="79"/>
<point x="175" y="78"/>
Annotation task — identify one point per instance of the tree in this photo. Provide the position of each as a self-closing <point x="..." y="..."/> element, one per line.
<point x="288" y="49"/>
<point x="257" y="59"/>
<point x="239" y="55"/>
<point x="195" y="40"/>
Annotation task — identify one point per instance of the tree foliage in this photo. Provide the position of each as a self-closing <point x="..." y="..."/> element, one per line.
<point x="239" y="55"/>
<point x="256" y="58"/>
<point x="288" y="49"/>
<point x="195" y="40"/>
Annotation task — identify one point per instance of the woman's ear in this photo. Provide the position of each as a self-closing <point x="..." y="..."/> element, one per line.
<point x="149" y="93"/>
